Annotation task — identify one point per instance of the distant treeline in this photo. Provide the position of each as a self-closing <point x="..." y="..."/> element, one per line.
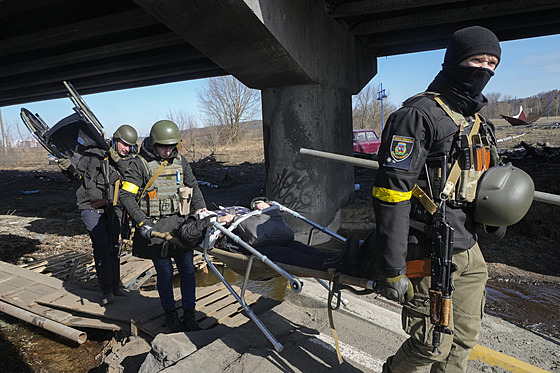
<point x="544" y="103"/>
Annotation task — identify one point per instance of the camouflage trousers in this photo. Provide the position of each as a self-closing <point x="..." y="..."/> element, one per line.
<point x="468" y="300"/>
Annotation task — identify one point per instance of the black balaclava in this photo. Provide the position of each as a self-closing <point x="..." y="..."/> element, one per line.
<point x="463" y="85"/>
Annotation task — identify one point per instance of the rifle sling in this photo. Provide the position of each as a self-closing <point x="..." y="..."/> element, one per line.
<point x="152" y="179"/>
<point x="116" y="192"/>
<point x="424" y="199"/>
<point x="455" y="172"/>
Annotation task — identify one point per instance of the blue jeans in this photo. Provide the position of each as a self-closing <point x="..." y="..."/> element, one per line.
<point x="164" y="269"/>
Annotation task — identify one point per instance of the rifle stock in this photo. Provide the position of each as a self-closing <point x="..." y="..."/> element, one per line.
<point x="442" y="285"/>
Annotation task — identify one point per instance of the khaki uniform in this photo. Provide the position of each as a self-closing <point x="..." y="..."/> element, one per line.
<point x="468" y="307"/>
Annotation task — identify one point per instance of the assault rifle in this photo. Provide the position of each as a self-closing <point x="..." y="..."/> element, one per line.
<point x="126" y="230"/>
<point x="442" y="268"/>
<point x="109" y="207"/>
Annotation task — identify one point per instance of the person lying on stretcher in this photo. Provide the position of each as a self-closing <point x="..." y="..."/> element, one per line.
<point x="280" y="247"/>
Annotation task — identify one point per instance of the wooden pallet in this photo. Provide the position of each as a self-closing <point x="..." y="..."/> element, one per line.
<point x="80" y="267"/>
<point x="77" y="306"/>
<point x="214" y="306"/>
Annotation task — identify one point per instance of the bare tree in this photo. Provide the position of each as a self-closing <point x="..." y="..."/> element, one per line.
<point x="213" y="136"/>
<point x="368" y="112"/>
<point x="226" y="102"/>
<point x="187" y="125"/>
<point x="491" y="110"/>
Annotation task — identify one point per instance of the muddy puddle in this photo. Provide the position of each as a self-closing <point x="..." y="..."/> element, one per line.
<point x="532" y="306"/>
<point x="272" y="289"/>
<point x="26" y="348"/>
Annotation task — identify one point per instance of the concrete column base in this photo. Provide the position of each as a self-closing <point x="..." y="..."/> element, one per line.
<point x="311" y="116"/>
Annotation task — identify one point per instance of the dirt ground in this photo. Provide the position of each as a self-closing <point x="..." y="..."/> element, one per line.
<point x="38" y="218"/>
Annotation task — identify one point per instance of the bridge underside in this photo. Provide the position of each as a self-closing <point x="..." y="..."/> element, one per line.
<point x="307" y="57"/>
<point x="108" y="45"/>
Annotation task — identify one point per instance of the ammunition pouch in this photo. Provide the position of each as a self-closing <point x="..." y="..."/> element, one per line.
<point x="162" y="197"/>
<point x="474" y="152"/>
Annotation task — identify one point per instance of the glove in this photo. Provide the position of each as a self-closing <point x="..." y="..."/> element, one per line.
<point x="114" y="155"/>
<point x="64" y="163"/>
<point x="146" y="228"/>
<point x="397" y="288"/>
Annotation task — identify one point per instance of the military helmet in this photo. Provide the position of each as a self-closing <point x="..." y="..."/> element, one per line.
<point x="503" y="197"/>
<point x="165" y="132"/>
<point x="126" y="134"/>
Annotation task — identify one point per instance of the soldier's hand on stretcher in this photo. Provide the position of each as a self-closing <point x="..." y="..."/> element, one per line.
<point x="146" y="228"/>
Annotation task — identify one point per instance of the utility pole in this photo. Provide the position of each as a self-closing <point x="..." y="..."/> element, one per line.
<point x="380" y="96"/>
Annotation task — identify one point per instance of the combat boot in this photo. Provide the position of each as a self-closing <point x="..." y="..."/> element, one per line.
<point x="107" y="298"/>
<point x="345" y="261"/>
<point x="189" y="320"/>
<point x="173" y="322"/>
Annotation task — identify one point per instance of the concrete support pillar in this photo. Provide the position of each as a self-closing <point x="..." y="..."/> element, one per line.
<point x="307" y="67"/>
<point x="311" y="116"/>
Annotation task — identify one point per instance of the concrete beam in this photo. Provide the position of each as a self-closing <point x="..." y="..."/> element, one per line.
<point x="229" y="33"/>
<point x="269" y="43"/>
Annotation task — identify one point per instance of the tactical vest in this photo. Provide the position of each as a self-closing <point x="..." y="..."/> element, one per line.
<point x="473" y="152"/>
<point x="162" y="198"/>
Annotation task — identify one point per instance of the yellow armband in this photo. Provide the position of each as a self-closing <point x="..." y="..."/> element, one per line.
<point x="129" y="187"/>
<point x="389" y="195"/>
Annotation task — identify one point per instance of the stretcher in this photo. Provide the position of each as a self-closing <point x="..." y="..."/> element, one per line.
<point x="257" y="266"/>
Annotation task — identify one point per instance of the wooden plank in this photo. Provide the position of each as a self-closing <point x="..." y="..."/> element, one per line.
<point x="217" y="306"/>
<point x="137" y="282"/>
<point x="202" y="292"/>
<point x="154" y="326"/>
<point x="27" y="297"/>
<point x="239" y="317"/>
<point x="132" y="268"/>
<point x="33" y="286"/>
<point x="237" y="320"/>
<point x="24" y="273"/>
<point x="55" y="260"/>
<point x="212" y="298"/>
<point x="5" y="276"/>
<point x="43" y="262"/>
<point x="15" y="284"/>
<point x="7" y="288"/>
<point x="205" y="291"/>
<point x="214" y="303"/>
<point x="221" y="315"/>
<point x="87" y="302"/>
<point x="95" y="323"/>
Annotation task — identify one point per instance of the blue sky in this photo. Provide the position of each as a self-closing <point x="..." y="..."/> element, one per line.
<point x="528" y="67"/>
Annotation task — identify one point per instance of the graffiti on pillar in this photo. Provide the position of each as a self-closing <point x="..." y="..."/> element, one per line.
<point x="291" y="188"/>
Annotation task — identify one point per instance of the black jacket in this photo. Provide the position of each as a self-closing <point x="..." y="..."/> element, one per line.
<point x="138" y="175"/>
<point x="428" y="132"/>
<point x="93" y="188"/>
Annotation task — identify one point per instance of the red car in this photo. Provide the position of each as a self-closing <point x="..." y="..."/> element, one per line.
<point x="366" y="142"/>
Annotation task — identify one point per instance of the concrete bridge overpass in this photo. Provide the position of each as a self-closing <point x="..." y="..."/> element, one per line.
<point x="306" y="56"/>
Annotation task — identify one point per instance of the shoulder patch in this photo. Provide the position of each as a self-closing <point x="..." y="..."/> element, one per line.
<point x="399" y="155"/>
